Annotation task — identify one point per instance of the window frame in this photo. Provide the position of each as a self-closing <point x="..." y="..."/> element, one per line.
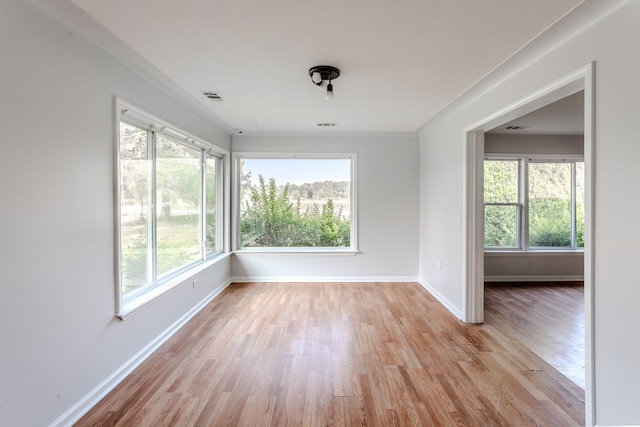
<point x="353" y="208"/>
<point x="522" y="230"/>
<point x="132" y="301"/>
<point x="519" y="204"/>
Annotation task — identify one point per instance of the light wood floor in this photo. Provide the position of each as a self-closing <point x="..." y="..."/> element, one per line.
<point x="338" y="354"/>
<point x="548" y="318"/>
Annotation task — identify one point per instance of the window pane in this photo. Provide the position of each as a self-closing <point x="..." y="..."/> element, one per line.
<point x="178" y="199"/>
<point x="500" y="224"/>
<point x="295" y="202"/>
<point x="580" y="204"/>
<point x="501" y="181"/>
<point x="134" y="208"/>
<point x="549" y="204"/>
<point x="211" y="205"/>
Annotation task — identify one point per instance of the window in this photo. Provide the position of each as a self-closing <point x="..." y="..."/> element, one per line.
<point x="502" y="207"/>
<point x="533" y="203"/>
<point x="170" y="205"/>
<point x="296" y="201"/>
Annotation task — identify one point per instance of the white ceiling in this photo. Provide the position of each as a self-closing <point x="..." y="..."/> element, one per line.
<point x="563" y="117"/>
<point x="401" y="61"/>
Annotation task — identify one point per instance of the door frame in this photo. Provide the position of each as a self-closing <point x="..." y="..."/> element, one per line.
<point x="473" y="233"/>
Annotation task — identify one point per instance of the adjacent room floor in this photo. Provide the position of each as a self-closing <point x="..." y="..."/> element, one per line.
<point x="548" y="318"/>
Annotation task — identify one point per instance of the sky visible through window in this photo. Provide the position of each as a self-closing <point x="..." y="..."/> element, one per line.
<point x="298" y="171"/>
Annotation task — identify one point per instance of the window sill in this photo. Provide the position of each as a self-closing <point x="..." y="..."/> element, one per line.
<point x="297" y="251"/>
<point x="534" y="252"/>
<point x="152" y="295"/>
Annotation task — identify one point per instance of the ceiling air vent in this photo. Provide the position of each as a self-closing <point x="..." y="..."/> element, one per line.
<point x="213" y="96"/>
<point x="326" y="125"/>
<point x="516" y="127"/>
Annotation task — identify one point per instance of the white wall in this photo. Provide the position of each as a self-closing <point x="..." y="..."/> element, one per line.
<point x="58" y="335"/>
<point x="563" y="49"/>
<point x="387" y="186"/>
<point x="533" y="266"/>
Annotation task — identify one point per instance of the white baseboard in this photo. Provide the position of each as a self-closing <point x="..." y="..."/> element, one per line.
<point x="534" y="278"/>
<point x="83" y="406"/>
<point x="253" y="279"/>
<point x="437" y="295"/>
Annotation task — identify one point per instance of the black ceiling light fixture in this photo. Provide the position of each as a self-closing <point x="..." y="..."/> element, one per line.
<point x="322" y="75"/>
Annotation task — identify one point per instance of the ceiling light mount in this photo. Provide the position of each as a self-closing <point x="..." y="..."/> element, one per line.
<point x="322" y="75"/>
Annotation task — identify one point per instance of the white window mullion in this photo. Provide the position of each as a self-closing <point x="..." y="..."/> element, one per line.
<point x="574" y="221"/>
<point x="151" y="224"/>
<point x="220" y="205"/>
<point x="203" y="205"/>
<point x="524" y="199"/>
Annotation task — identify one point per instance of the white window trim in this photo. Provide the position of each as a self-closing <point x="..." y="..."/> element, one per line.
<point x="236" y="170"/>
<point x="521" y="225"/>
<point x="128" y="305"/>
<point x="522" y="231"/>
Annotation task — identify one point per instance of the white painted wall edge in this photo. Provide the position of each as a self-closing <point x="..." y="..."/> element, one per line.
<point x="437" y="295"/>
<point x="533" y="278"/>
<point x="83" y="406"/>
<point x="353" y="279"/>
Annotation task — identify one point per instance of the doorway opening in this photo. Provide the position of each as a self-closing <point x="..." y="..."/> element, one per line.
<point x="474" y="272"/>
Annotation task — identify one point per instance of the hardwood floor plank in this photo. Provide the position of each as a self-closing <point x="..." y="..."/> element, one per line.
<point x="338" y="354"/>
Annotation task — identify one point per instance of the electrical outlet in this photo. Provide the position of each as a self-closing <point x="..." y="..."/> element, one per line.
<point x="195" y="283"/>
